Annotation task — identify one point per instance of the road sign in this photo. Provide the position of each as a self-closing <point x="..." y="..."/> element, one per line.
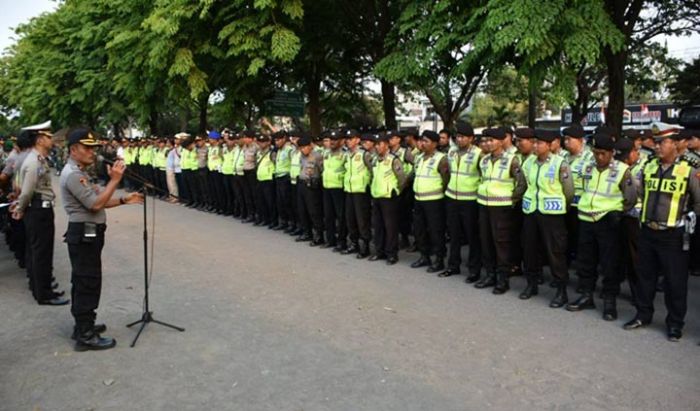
<point x="285" y="103"/>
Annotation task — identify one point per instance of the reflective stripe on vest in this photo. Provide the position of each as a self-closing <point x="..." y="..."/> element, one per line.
<point x="577" y="165"/>
<point x="464" y="174"/>
<point x="673" y="184"/>
<point x="334" y="169"/>
<point x="601" y="191"/>
<point x="357" y="175"/>
<point x="428" y="184"/>
<point x="497" y="185"/>
<point x="544" y="190"/>
<point x="384" y="181"/>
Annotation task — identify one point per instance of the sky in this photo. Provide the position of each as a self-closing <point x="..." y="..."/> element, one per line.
<point x="19" y="11"/>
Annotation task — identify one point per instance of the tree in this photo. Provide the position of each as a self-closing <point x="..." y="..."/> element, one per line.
<point x="685" y="89"/>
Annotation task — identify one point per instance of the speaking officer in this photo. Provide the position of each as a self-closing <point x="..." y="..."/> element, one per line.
<point x="608" y="191"/>
<point x="333" y="194"/>
<point x="432" y="173"/>
<point x="310" y="199"/>
<point x="550" y="189"/>
<point x="388" y="179"/>
<point x="499" y="190"/>
<point x="358" y="176"/>
<point x="462" y="209"/>
<point x="85" y="235"/>
<point x="35" y="205"/>
<point x="670" y="188"/>
<point x="283" y="185"/>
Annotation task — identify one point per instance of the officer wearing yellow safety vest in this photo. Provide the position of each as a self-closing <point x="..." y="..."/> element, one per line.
<point x="608" y="191"/>
<point x="670" y="191"/>
<point x="432" y="173"/>
<point x="462" y="208"/>
<point x="227" y="176"/>
<point x="283" y="184"/>
<point x="265" y="188"/>
<point x="388" y="179"/>
<point x="577" y="155"/>
<point x="358" y="176"/>
<point x="406" y="197"/>
<point x="215" y="180"/>
<point x="498" y="192"/>
<point x="294" y="228"/>
<point x="160" y="158"/>
<point x="550" y="189"/>
<point x="333" y="194"/>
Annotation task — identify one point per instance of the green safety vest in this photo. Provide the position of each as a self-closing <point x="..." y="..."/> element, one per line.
<point x="428" y="184"/>
<point x="672" y="184"/>
<point x="497" y="185"/>
<point x="189" y="160"/>
<point x="266" y="168"/>
<point x="637" y="172"/>
<point x="147" y="156"/>
<point x="601" y="191"/>
<point x="464" y="174"/>
<point x="227" y="161"/>
<point x="214" y="159"/>
<point x="283" y="161"/>
<point x="357" y="176"/>
<point x="128" y="156"/>
<point x="295" y="165"/>
<point x="401" y="154"/>
<point x="334" y="169"/>
<point x="384" y="182"/>
<point x="160" y="158"/>
<point x="577" y="164"/>
<point x="544" y="190"/>
<point x="238" y="161"/>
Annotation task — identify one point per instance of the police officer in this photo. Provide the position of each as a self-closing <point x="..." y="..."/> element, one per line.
<point x="578" y="155"/>
<point x="333" y="194"/>
<point x="388" y="179"/>
<point x="248" y="155"/>
<point x="432" y="173"/>
<point x="670" y="188"/>
<point x="461" y="206"/>
<point x="294" y="228"/>
<point x="647" y="148"/>
<point x="692" y="156"/>
<point x="550" y="189"/>
<point x="499" y="190"/>
<point x="358" y="176"/>
<point x="85" y="235"/>
<point x="215" y="180"/>
<point x="227" y="175"/>
<point x="202" y="172"/>
<point x="406" y="197"/>
<point x="283" y="184"/>
<point x="309" y="193"/>
<point x="265" y="186"/>
<point x="189" y="173"/>
<point x="160" y="160"/>
<point x="35" y="206"/>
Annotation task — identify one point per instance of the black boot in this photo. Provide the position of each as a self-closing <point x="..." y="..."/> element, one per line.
<point x="303" y="238"/>
<point x="363" y="250"/>
<point x="404" y="243"/>
<point x="87" y="340"/>
<point x="561" y="297"/>
<point x="502" y="284"/>
<point x="584" y="302"/>
<point x="437" y="266"/>
<point x="423" y="261"/>
<point x="488" y="281"/>
<point x="609" y="308"/>
<point x="531" y="288"/>
<point x="350" y="250"/>
<point x="318" y="239"/>
<point x="473" y="277"/>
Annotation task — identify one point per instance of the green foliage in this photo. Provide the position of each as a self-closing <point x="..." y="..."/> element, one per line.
<point x="685" y="89"/>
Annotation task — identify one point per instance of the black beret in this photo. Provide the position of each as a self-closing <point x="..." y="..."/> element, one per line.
<point x="83" y="136"/>
<point x="524" y="132"/>
<point x="334" y="135"/>
<point x="430" y="135"/>
<point x="249" y="133"/>
<point x="368" y="137"/>
<point x="687" y="134"/>
<point x="624" y="144"/>
<point x="350" y="133"/>
<point x="262" y="138"/>
<point x="632" y="133"/>
<point x="465" y="129"/>
<point x="446" y="131"/>
<point x="603" y="141"/>
<point x="496" y="133"/>
<point x="304" y="141"/>
<point x="384" y="137"/>
<point x="279" y="134"/>
<point x="575" y="131"/>
<point x="605" y="130"/>
<point x="645" y="134"/>
<point x="546" y="135"/>
<point x="507" y="130"/>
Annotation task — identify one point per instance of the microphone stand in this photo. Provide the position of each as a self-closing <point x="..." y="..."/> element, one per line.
<point x="147" y="315"/>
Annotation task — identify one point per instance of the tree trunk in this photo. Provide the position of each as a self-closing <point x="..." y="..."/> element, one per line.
<point x="389" y="101"/>
<point x="616" y="63"/>
<point x="203" y="111"/>
<point x="116" y="130"/>
<point x="314" y="89"/>
<point x="531" y="104"/>
<point x="153" y="121"/>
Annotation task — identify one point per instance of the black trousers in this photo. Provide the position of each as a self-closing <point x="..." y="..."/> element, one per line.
<point x="572" y="228"/>
<point x="629" y="254"/>
<point x="86" y="273"/>
<point x="190" y="180"/>
<point x="429" y="220"/>
<point x="598" y="246"/>
<point x="498" y="234"/>
<point x="202" y="178"/>
<point x="217" y="190"/>
<point x="463" y="227"/>
<point x="385" y="219"/>
<point x="248" y="188"/>
<point x="181" y="187"/>
<point x="40" y="232"/>
<point x="266" y="201"/>
<point x="694" y="255"/>
<point x="283" y="196"/>
<point x="310" y="207"/>
<point x="334" y="216"/>
<point x="406" y="200"/>
<point x="239" y="198"/>
<point x="18" y="241"/>
<point x="358" y="216"/>
<point x="661" y="252"/>
<point x="549" y="231"/>
<point x="161" y="182"/>
<point x="229" y="191"/>
<point x="294" y="205"/>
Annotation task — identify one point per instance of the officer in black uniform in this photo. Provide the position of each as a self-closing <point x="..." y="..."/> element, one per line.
<point x="85" y="234"/>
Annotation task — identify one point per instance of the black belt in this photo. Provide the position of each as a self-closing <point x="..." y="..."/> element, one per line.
<point x="38" y="203"/>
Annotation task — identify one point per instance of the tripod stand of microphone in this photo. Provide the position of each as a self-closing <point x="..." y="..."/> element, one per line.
<point x="147" y="315"/>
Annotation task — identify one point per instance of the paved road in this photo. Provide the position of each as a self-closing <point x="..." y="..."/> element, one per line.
<point x="276" y="325"/>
